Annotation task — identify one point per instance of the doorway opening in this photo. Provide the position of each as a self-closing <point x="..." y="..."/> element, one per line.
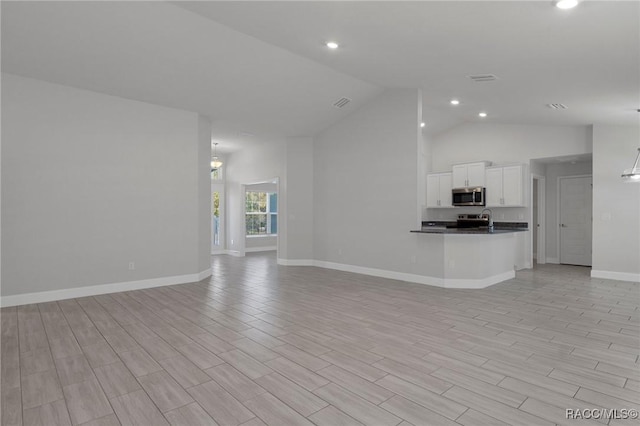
<point x="538" y="223"/>
<point x="546" y="175"/>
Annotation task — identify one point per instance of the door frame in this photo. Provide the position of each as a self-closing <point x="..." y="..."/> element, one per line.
<point x="541" y="253"/>
<point x="558" y="211"/>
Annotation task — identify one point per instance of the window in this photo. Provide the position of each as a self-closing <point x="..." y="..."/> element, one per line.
<point x="215" y="198"/>
<point x="216" y="174"/>
<point x="261" y="213"/>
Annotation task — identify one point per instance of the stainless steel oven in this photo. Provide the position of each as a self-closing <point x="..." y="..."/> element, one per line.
<point x="468" y="196"/>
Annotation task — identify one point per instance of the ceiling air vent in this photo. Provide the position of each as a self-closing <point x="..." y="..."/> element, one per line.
<point x="557" y="106"/>
<point x="341" y="102"/>
<point x="479" y="78"/>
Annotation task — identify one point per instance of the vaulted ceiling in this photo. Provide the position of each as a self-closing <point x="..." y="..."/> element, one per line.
<point x="262" y="67"/>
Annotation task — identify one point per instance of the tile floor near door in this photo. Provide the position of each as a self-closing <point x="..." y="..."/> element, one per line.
<point x="264" y="344"/>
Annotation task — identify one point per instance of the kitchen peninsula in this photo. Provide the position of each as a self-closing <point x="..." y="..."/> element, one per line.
<point x="469" y="257"/>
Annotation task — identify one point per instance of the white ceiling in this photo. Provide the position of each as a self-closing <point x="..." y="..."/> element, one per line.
<point x="261" y="67"/>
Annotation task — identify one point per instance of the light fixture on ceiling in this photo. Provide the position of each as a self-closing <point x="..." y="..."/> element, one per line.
<point x="566" y="4"/>
<point x="215" y="161"/>
<point x="632" y="174"/>
<point x="454" y="102"/>
<point x="482" y="114"/>
<point x="423" y="124"/>
<point x="332" y="45"/>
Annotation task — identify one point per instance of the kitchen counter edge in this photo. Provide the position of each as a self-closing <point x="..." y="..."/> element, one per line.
<point x="463" y="231"/>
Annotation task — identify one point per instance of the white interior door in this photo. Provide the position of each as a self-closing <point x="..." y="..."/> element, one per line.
<point x="575" y="220"/>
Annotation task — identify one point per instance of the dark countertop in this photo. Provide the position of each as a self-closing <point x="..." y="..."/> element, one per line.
<point x="440" y="227"/>
<point x="470" y="231"/>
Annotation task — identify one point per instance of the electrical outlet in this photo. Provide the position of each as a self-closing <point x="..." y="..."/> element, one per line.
<point x="413" y="259"/>
<point x="520" y="216"/>
<point x="340" y="251"/>
<point x="132" y="266"/>
<point x="231" y="242"/>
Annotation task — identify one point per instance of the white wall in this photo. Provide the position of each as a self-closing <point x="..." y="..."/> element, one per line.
<point x="204" y="193"/>
<point x="506" y="143"/>
<point x="261" y="243"/>
<point x="261" y="163"/>
<point x="298" y="209"/>
<point x="553" y="173"/>
<point x="365" y="185"/>
<point x="616" y="205"/>
<point x="92" y="182"/>
<point x="503" y="144"/>
<point x="291" y="161"/>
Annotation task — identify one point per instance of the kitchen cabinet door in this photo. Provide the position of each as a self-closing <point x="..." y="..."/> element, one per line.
<point x="439" y="190"/>
<point x="468" y="175"/>
<point x="494" y="187"/>
<point x="512" y="186"/>
<point x="475" y="174"/>
<point x="459" y="176"/>
<point x="445" y="190"/>
<point x="433" y="190"/>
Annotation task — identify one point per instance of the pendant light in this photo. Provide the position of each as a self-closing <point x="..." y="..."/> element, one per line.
<point x="632" y="174"/>
<point x="215" y="161"/>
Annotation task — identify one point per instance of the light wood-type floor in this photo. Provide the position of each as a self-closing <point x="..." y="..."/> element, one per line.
<point x="263" y="344"/>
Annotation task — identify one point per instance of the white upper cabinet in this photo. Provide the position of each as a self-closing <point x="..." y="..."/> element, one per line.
<point x="469" y="175"/>
<point x="513" y="185"/>
<point x="505" y="186"/>
<point x="475" y="174"/>
<point x="439" y="190"/>
<point x="460" y="176"/>
<point x="493" y="192"/>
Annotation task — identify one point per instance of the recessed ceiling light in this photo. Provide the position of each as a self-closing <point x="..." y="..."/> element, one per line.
<point x="454" y="102"/>
<point x="423" y="124"/>
<point x="482" y="114"/>
<point x="566" y="4"/>
<point x="332" y="45"/>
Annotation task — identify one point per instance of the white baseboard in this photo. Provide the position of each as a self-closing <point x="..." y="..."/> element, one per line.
<point x="94" y="290"/>
<point x="383" y="273"/>
<point x="613" y="275"/>
<point x="220" y="251"/>
<point x="418" y="279"/>
<point x="205" y="274"/>
<point x="256" y="249"/>
<point x="235" y="253"/>
<point x="554" y="260"/>
<point x="296" y="262"/>
<point x="478" y="283"/>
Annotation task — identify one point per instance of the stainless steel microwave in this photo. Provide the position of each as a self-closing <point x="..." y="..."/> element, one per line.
<point x="468" y="196"/>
